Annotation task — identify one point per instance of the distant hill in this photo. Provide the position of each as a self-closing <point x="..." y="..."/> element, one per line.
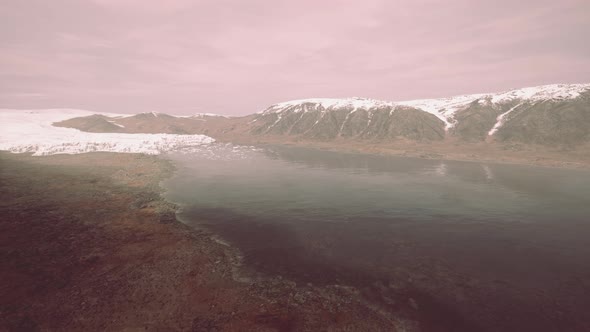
<point x="150" y="123"/>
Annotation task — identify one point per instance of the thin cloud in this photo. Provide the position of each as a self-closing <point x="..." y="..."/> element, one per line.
<point x="236" y="57"/>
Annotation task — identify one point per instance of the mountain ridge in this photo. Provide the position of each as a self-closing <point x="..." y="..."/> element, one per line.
<point x="445" y="106"/>
<point x="535" y="123"/>
<point x="475" y="117"/>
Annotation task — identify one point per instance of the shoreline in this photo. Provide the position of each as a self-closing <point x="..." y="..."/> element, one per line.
<point x="114" y="256"/>
<point x="374" y="253"/>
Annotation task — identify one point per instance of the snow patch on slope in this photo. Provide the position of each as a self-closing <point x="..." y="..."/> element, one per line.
<point x="443" y="108"/>
<point x="116" y="124"/>
<point x="279" y="116"/>
<point x="33" y="132"/>
<point x="500" y="120"/>
<point x="328" y="103"/>
<point x="540" y="93"/>
<point x="201" y="115"/>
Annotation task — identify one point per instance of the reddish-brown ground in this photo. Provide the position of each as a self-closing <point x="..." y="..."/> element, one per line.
<point x="86" y="243"/>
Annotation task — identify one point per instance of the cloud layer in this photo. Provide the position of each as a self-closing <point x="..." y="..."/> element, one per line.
<point x="237" y="57"/>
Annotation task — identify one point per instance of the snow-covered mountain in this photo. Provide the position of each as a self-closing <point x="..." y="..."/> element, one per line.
<point x="471" y="117"/>
<point x="33" y="131"/>
<point x="442" y="108"/>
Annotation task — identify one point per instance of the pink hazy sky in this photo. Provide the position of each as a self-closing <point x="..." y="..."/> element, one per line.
<point x="238" y="57"/>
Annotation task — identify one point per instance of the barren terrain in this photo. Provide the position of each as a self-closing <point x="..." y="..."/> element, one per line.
<point x="87" y="243"/>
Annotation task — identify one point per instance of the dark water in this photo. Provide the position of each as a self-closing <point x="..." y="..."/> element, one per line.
<point x="477" y="246"/>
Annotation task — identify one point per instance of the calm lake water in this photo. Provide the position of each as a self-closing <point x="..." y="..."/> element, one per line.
<point x="475" y="246"/>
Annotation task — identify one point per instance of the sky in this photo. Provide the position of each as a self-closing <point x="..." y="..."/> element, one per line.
<point x="237" y="57"/>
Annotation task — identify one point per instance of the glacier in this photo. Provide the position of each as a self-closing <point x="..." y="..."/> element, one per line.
<point x="31" y="131"/>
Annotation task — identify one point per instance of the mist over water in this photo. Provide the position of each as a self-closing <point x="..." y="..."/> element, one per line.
<point x="502" y="246"/>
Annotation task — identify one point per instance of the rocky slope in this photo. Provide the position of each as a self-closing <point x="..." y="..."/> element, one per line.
<point x="546" y="115"/>
<point x="155" y="123"/>
<point x="326" y="119"/>
<point x="148" y="123"/>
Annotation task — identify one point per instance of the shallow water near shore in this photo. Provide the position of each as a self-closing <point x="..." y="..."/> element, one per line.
<point x="498" y="247"/>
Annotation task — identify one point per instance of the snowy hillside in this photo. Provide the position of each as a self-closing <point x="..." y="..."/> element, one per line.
<point x="32" y="131"/>
<point x="442" y="108"/>
<point x="554" y="114"/>
<point x="445" y="108"/>
<point x="328" y="103"/>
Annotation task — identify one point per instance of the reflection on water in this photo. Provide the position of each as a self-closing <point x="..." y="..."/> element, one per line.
<point x="503" y="246"/>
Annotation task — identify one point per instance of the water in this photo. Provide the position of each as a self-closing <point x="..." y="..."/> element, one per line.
<point x="476" y="246"/>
